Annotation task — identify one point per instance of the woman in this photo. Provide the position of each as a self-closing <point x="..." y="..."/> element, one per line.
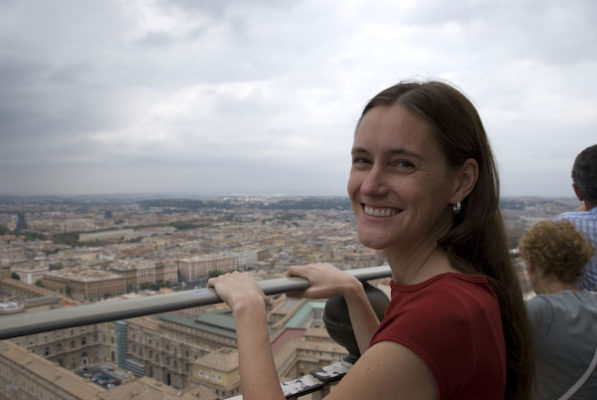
<point x="424" y="189"/>
<point x="563" y="318"/>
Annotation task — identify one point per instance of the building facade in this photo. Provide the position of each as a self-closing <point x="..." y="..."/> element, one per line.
<point x="85" y="285"/>
<point x="196" y="268"/>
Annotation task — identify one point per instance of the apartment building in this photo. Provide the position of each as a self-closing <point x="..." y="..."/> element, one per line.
<point x="166" y="272"/>
<point x="84" y="284"/>
<point x="198" y="267"/>
<point x="70" y="348"/>
<point x="28" y="376"/>
<point x="157" y="353"/>
<point x="219" y="371"/>
<point x="31" y="273"/>
<point x="364" y="259"/>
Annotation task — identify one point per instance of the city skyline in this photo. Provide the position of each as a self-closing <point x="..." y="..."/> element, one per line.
<point x="256" y="97"/>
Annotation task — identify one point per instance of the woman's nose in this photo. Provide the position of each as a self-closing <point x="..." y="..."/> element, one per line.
<point x="374" y="183"/>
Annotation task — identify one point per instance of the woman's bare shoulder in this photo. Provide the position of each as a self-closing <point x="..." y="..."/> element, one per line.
<point x="385" y="370"/>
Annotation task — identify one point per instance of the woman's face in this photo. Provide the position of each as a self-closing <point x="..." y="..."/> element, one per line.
<point x="400" y="185"/>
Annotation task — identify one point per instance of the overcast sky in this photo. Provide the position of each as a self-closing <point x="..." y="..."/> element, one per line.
<point x="262" y="96"/>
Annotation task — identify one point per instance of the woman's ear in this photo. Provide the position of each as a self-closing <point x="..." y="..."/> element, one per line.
<point x="466" y="179"/>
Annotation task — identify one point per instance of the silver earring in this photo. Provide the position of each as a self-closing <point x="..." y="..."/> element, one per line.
<point x="456" y="208"/>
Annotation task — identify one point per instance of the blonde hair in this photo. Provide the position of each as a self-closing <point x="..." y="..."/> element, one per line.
<point x="557" y="249"/>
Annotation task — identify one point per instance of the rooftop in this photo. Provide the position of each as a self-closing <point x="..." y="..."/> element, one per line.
<point x="47" y="370"/>
<point x="223" y="359"/>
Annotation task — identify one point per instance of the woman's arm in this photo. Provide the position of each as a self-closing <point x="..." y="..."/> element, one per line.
<point x="259" y="378"/>
<point x="387" y="370"/>
<point x="328" y="281"/>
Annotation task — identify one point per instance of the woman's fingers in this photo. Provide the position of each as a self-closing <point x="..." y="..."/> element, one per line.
<point x="325" y="280"/>
<point x="236" y="287"/>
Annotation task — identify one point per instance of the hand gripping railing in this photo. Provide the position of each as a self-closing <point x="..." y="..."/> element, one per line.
<point x="67" y="317"/>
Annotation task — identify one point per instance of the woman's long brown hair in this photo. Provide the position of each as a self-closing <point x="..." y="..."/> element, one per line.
<point x="477" y="242"/>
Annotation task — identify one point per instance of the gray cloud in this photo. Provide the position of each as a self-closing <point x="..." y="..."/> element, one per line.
<point x="260" y="96"/>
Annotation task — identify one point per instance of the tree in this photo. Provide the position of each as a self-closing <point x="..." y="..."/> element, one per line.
<point x="15" y="276"/>
<point x="69" y="238"/>
<point x="215" y="272"/>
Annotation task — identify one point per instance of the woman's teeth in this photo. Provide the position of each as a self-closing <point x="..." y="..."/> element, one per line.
<point x="380" y="212"/>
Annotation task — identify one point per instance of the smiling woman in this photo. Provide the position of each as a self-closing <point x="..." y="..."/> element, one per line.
<point x="399" y="180"/>
<point x="424" y="189"/>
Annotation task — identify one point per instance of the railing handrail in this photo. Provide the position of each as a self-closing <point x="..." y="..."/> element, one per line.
<point x="105" y="311"/>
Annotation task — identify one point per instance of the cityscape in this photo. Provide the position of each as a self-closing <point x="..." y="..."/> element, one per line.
<point x="65" y="251"/>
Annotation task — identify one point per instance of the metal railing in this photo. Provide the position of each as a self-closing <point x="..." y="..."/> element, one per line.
<point x="105" y="311"/>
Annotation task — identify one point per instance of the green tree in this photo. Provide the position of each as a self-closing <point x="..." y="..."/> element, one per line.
<point x="16" y="276"/>
<point x="215" y="272"/>
<point x="69" y="238"/>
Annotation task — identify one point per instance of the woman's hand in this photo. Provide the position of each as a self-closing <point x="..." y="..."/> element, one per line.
<point x="238" y="289"/>
<point x="325" y="279"/>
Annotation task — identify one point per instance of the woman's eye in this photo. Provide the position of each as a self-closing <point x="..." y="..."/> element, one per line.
<point x="403" y="165"/>
<point x="360" y="161"/>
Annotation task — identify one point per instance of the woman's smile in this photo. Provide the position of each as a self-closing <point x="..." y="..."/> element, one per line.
<point x="380" y="211"/>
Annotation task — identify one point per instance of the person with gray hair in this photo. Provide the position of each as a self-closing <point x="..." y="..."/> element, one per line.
<point x="584" y="183"/>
